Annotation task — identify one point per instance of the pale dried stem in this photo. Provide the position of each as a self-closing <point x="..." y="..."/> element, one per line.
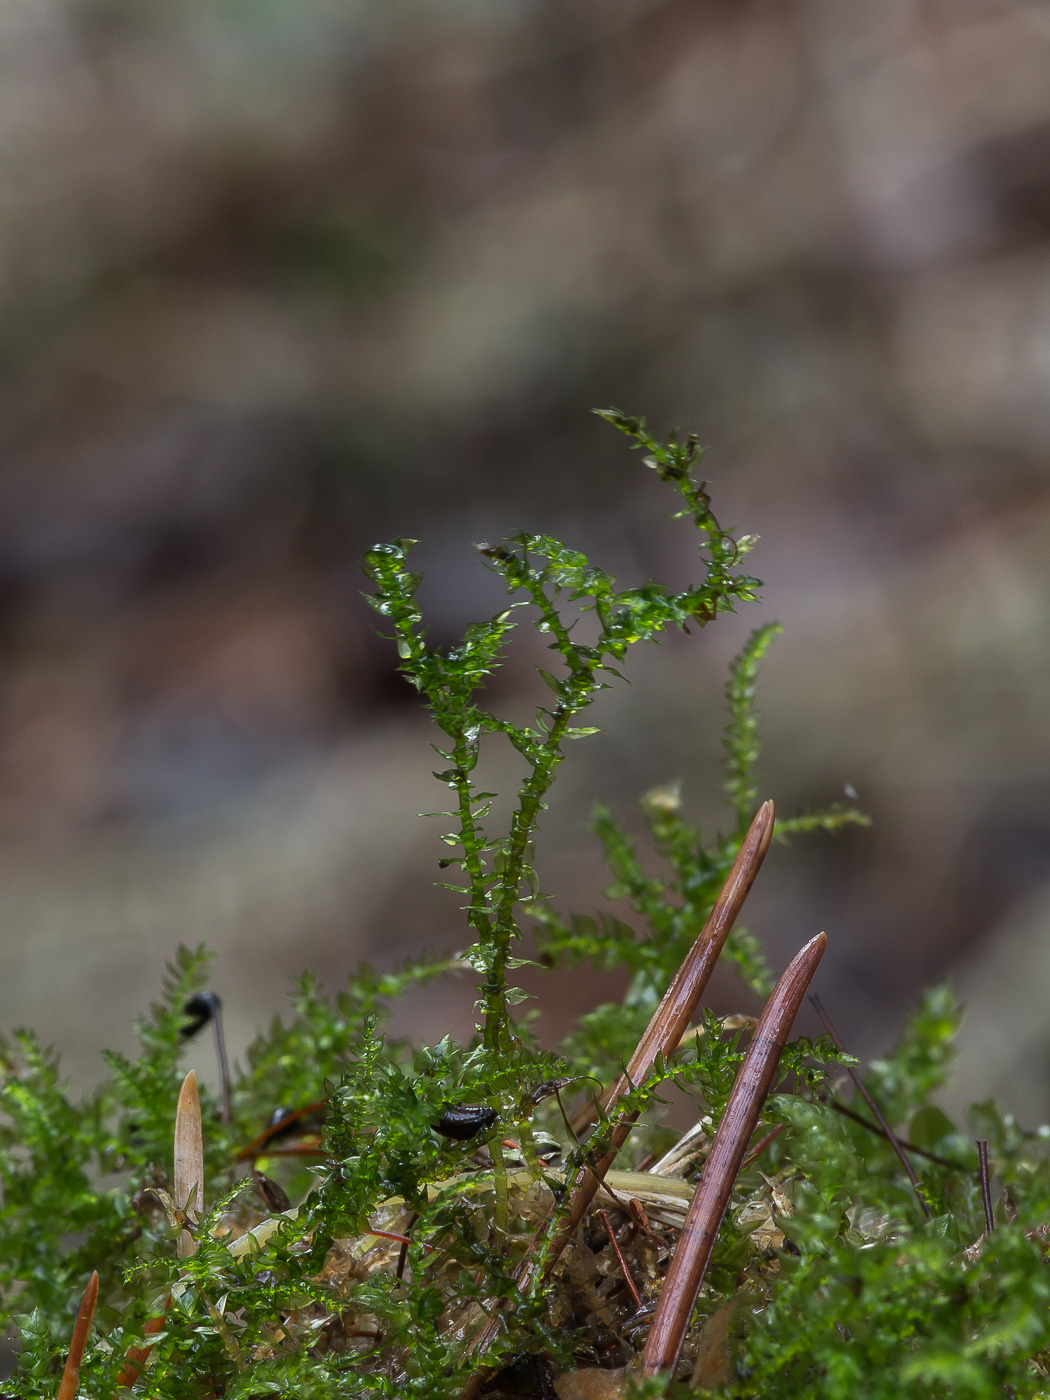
<point x="189" y="1160"/>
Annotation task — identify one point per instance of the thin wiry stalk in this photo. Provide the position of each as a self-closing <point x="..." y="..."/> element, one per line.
<point x="986" y="1186"/>
<point x="224" y="1064"/>
<point x="715" y="1187"/>
<point x="757" y="1151"/>
<point x="908" y="1146"/>
<point x="890" y="1135"/>
<point x="70" y="1383"/>
<point x="632" y="1287"/>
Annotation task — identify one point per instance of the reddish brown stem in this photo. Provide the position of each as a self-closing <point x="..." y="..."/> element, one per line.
<point x="661" y="1037"/>
<point x="70" y="1383"/>
<point x="757" y="1151"/>
<point x="752" y="1084"/>
<point x="631" y="1285"/>
<point x="676" y="1009"/>
<point x="403" y="1240"/>
<point x="137" y="1357"/>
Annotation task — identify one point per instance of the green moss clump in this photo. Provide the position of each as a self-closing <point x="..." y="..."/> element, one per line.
<point x="403" y="1239"/>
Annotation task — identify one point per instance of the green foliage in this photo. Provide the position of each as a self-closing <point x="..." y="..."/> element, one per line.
<point x="402" y="1241"/>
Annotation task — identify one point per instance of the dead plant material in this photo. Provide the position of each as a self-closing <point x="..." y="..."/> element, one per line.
<point x="137" y="1357"/>
<point x="188" y="1175"/>
<point x="661" y="1037"/>
<point x="593" y="1383"/>
<point x="712" y="1358"/>
<point x="669" y="1020"/>
<point x="752" y="1084"/>
<point x="70" y="1382"/>
<point x="757" y="1151"/>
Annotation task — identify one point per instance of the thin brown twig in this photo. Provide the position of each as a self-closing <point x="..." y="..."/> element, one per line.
<point x="753" y="1082"/>
<point x="70" y="1382"/>
<point x="986" y="1186"/>
<point x="756" y="1152"/>
<point x="661" y="1037"/>
<point x="403" y="1240"/>
<point x="891" y="1136"/>
<point x="908" y="1146"/>
<point x="631" y="1285"/>
<point x="403" y="1252"/>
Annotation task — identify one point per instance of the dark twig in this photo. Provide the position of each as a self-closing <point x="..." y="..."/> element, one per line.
<point x="876" y="1111"/>
<point x="70" y="1382"/>
<point x="403" y="1254"/>
<point x="908" y="1146"/>
<point x="631" y="1285"/>
<point x="746" y="1099"/>
<point x="754" y="1155"/>
<point x="224" y="1064"/>
<point x="986" y="1186"/>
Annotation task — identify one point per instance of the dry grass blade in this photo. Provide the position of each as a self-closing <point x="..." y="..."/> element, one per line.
<point x="661" y="1037"/>
<point x="189" y="1160"/>
<point x="748" y="1094"/>
<point x="70" y="1383"/>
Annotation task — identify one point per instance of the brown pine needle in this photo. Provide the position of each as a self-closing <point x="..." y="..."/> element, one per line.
<point x="675" y="1011"/>
<point x="189" y="1160"/>
<point x="138" y="1356"/>
<point x="752" y="1084"/>
<point x="70" y="1383"/>
<point x="757" y="1151"/>
<point x="661" y="1037"/>
<point x="631" y="1285"/>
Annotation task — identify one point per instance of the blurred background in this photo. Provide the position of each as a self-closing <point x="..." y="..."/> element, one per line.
<point x="282" y="278"/>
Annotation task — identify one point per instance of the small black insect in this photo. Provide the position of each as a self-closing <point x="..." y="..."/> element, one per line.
<point x="464" y="1121"/>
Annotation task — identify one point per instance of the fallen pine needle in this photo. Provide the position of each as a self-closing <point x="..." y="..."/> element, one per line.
<point x="70" y="1383"/>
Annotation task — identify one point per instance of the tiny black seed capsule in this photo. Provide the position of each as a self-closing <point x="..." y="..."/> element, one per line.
<point x="464" y="1121"/>
<point x="199" y="1010"/>
<point x="275" y="1197"/>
